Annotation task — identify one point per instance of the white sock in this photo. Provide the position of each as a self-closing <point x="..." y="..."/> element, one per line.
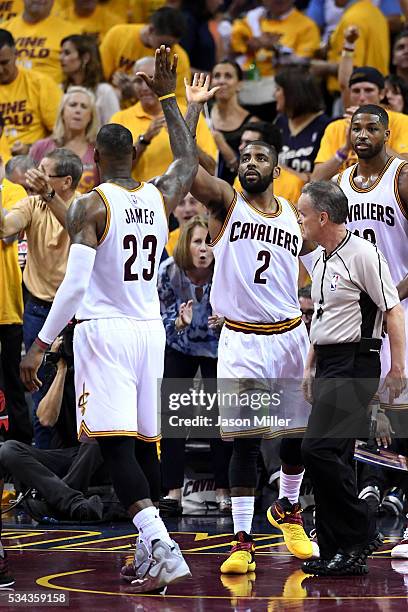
<point x="151" y="527"/>
<point x="290" y="486"/>
<point x="242" y="513"/>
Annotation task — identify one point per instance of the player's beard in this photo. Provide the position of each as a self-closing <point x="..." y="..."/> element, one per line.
<point x="371" y="152"/>
<point x="259" y="186"/>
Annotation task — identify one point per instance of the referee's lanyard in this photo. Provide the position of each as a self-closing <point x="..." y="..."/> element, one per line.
<point x="319" y="312"/>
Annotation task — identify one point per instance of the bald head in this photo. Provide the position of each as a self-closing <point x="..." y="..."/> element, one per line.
<point x="144" y="64"/>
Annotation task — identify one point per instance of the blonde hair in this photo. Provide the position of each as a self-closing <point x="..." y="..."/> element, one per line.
<point x="182" y="252"/>
<point x="92" y="128"/>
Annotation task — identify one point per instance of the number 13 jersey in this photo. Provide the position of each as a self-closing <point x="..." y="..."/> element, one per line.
<point x="124" y="277"/>
<point x="377" y="214"/>
<point x="256" y="263"/>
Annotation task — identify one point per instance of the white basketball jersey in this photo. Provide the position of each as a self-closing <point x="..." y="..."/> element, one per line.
<point x="256" y="264"/>
<point x="377" y="214"/>
<point x="124" y="278"/>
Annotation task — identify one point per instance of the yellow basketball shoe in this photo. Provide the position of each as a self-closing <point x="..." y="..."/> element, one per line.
<point x="286" y="517"/>
<point x="242" y="556"/>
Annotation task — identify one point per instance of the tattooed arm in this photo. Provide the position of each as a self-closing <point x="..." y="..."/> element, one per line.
<point x="86" y="220"/>
<point x="216" y="195"/>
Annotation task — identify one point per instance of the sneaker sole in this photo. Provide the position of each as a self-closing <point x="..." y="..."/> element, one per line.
<point x="296" y="553"/>
<point x="396" y="554"/>
<point x="164" y="581"/>
<point x="7" y="584"/>
<point x="237" y="570"/>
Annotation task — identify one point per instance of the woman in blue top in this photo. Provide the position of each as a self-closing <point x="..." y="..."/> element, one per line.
<point x="192" y="333"/>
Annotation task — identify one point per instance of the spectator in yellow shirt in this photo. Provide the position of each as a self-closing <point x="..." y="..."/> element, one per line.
<point x="11" y="323"/>
<point x="372" y="47"/>
<point x="91" y="17"/>
<point x="146" y="122"/>
<point x="38" y="36"/>
<point x="28" y="102"/>
<point x="288" y="185"/>
<point x="125" y="44"/>
<point x="335" y="154"/>
<point x="10" y="9"/>
<point x="5" y="151"/>
<point x="188" y="208"/>
<point x="273" y="34"/>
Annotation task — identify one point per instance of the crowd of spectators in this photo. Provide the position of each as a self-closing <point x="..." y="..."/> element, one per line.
<point x="67" y="67"/>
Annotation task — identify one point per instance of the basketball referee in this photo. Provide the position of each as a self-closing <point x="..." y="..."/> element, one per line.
<point x="351" y="290"/>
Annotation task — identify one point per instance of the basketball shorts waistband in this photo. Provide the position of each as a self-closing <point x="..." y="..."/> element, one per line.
<point x="265" y="329"/>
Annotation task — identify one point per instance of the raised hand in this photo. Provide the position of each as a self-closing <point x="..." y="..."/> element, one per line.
<point x="199" y="91"/>
<point x="186" y="313"/>
<point x="351" y="34"/>
<point x="163" y="81"/>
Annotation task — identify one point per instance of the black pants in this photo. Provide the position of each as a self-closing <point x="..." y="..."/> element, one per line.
<point x="11" y="338"/>
<point x="61" y="475"/>
<point x="345" y="382"/>
<point x="179" y="365"/>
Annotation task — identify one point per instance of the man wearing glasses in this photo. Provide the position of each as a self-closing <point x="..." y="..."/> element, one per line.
<point x="42" y="216"/>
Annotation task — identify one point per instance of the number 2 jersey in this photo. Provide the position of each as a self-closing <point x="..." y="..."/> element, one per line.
<point x="257" y="266"/>
<point x="124" y="277"/>
<point x="377" y="214"/>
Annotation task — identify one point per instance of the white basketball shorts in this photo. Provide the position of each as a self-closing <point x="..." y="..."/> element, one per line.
<point x="118" y="364"/>
<point x="251" y="365"/>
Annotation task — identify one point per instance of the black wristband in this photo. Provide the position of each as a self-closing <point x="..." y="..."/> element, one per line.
<point x="143" y="141"/>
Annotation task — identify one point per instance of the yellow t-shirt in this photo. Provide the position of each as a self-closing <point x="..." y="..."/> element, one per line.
<point x="372" y="47"/>
<point x="122" y="46"/>
<point x="101" y="20"/>
<point x="173" y="240"/>
<point x="299" y="33"/>
<point x="158" y="156"/>
<point x="29" y="106"/>
<point x="287" y="185"/>
<point x="5" y="152"/>
<point x="143" y="9"/>
<point x="10" y="9"/>
<point x="334" y="138"/>
<point x="38" y="44"/>
<point x="11" y="303"/>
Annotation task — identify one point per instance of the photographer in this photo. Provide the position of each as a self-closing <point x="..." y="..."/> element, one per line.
<point x="61" y="475"/>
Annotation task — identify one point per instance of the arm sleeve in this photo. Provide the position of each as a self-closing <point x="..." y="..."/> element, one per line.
<point x="70" y="294"/>
<point x="375" y="278"/>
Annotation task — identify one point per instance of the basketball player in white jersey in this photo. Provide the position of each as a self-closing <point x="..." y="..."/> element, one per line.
<point x="118" y="233"/>
<point x="257" y="240"/>
<point x="377" y="191"/>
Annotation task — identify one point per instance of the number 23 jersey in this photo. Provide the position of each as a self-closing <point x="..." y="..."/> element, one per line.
<point x="256" y="263"/>
<point x="124" y="278"/>
<point x="378" y="215"/>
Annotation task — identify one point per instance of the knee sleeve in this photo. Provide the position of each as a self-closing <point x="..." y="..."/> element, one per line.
<point x="128" y="479"/>
<point x="290" y="451"/>
<point x="148" y="458"/>
<point x="243" y="464"/>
